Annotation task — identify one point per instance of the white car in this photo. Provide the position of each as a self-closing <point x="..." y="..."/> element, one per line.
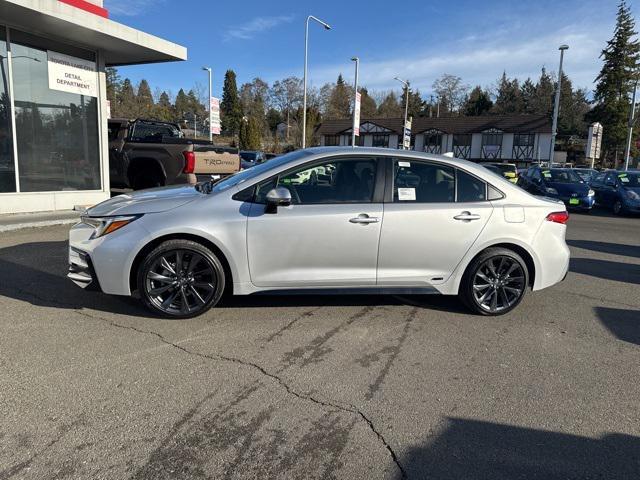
<point x="384" y="221"/>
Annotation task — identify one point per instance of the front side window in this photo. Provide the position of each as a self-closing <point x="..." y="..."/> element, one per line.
<point x="336" y="181"/>
<point x="380" y="140"/>
<point x="423" y="182"/>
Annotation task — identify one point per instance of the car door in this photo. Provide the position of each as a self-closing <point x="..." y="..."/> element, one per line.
<point x="329" y="235"/>
<point x="432" y="216"/>
<point x="609" y="191"/>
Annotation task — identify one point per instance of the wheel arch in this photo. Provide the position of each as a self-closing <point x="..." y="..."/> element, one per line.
<point x="138" y="259"/>
<point x="517" y="248"/>
<point x="138" y="164"/>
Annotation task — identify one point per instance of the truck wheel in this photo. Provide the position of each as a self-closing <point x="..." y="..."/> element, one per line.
<point x="149" y="179"/>
<point x="180" y="279"/>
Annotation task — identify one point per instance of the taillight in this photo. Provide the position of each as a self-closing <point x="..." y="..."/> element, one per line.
<point x="189" y="162"/>
<point x="558" y="217"/>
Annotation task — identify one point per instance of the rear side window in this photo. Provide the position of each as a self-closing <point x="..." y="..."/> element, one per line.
<point x="423" y="182"/>
<point x="470" y="188"/>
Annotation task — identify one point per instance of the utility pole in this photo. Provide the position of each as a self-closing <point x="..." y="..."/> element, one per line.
<point x="304" y="95"/>
<point x="632" y="114"/>
<point x="556" y="106"/>
<point x="406" y="105"/>
<point x="356" y="115"/>
<point x="431" y="107"/>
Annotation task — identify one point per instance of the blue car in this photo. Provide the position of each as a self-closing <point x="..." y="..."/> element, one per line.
<point x="619" y="191"/>
<point x="560" y="183"/>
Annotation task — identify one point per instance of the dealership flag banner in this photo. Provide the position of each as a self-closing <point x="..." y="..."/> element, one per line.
<point x="72" y="74"/>
<point x="356" y="115"/>
<point x="214" y="105"/>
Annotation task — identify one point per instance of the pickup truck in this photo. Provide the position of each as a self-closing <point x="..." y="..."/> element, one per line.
<point x="149" y="153"/>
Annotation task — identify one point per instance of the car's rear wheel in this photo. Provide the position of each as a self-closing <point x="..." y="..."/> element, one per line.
<point x="495" y="282"/>
<point x="181" y="279"/>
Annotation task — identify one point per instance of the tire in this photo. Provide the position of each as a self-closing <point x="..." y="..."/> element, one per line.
<point x="171" y="286"/>
<point x="618" y="208"/>
<point x="495" y="282"/>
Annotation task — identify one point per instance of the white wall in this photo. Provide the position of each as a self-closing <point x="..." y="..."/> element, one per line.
<point x="507" y="146"/>
<point x="476" y="145"/>
<point x="543" y="143"/>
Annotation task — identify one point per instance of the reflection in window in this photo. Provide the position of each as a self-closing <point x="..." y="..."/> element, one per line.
<point x="7" y="166"/>
<point x="57" y="132"/>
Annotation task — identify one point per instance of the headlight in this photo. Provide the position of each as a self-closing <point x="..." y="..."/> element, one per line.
<point x="551" y="191"/>
<point x="105" y="225"/>
<point x="591" y="193"/>
<point x="632" y="195"/>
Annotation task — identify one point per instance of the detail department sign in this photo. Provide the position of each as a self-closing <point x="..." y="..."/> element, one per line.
<point x="72" y="74"/>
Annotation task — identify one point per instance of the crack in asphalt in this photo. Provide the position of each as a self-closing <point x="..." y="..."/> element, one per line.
<point x="349" y="408"/>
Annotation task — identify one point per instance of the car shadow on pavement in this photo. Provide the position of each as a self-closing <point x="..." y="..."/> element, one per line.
<point x="607" y="247"/>
<point x="621" y="272"/>
<point x="473" y="449"/>
<point x="623" y="323"/>
<point x="36" y="273"/>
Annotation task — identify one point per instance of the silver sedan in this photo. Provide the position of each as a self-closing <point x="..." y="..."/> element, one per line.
<point x="344" y="220"/>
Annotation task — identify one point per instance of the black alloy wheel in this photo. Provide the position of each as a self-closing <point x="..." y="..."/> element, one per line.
<point x="495" y="282"/>
<point x="181" y="279"/>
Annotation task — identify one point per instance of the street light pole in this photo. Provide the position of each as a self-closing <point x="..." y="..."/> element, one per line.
<point x="304" y="94"/>
<point x="556" y="106"/>
<point x="355" y="95"/>
<point x="406" y="105"/>
<point x="632" y="114"/>
<point x="208" y="69"/>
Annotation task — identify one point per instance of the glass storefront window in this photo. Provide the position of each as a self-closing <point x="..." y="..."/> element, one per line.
<point x="7" y="166"/>
<point x="57" y="132"/>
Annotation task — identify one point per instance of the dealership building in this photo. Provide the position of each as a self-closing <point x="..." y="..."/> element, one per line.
<point x="53" y="105"/>
<point x="519" y="139"/>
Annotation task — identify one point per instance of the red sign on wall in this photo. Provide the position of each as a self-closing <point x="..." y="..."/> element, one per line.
<point x="88" y="7"/>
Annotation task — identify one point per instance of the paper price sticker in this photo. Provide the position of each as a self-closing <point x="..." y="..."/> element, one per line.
<point x="404" y="164"/>
<point x="407" y="194"/>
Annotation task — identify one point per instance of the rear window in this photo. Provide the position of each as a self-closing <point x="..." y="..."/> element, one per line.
<point x="152" y="132"/>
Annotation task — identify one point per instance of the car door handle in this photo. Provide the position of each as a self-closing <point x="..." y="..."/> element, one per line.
<point x="363" y="218"/>
<point x="467" y="216"/>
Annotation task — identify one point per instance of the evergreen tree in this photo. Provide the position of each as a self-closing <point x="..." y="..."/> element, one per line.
<point x="144" y="99"/>
<point x="390" y="108"/>
<point x="127" y="105"/>
<point x="416" y="105"/>
<point x="368" y="107"/>
<point x="230" y="109"/>
<point x="542" y="101"/>
<point x="181" y="105"/>
<point x="340" y="100"/>
<point x="164" y="109"/>
<point x="478" y="102"/>
<point x="114" y="86"/>
<point x="528" y="93"/>
<point x="250" y="135"/>
<point x="615" y="80"/>
<point x="509" y="99"/>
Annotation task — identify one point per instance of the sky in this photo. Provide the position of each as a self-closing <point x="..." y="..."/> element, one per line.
<point x="416" y="40"/>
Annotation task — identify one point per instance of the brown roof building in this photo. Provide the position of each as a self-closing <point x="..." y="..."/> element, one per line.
<point x="510" y="138"/>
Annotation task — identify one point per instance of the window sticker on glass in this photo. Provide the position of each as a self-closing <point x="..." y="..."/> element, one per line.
<point x="404" y="164"/>
<point x="623" y="179"/>
<point x="547" y="174"/>
<point x="407" y="194"/>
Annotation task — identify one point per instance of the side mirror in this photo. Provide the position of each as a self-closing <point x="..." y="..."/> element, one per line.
<point x="278" y="197"/>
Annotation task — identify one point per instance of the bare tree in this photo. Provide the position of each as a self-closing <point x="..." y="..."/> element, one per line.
<point x="451" y="92"/>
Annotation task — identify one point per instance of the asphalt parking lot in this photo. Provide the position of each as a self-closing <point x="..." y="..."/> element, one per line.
<point x="323" y="387"/>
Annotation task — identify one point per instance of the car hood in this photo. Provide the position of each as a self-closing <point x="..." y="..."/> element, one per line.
<point x="567" y="189"/>
<point x="146" y="201"/>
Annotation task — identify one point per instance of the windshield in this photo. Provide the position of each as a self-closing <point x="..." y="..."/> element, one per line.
<point x="505" y="168"/>
<point x="585" y="174"/>
<point x="630" y="179"/>
<point x="250" y="156"/>
<point x="561" y="175"/>
<point x="244" y="175"/>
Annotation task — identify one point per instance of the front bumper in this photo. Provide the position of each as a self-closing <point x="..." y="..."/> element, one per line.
<point x="81" y="271"/>
<point x="578" y="203"/>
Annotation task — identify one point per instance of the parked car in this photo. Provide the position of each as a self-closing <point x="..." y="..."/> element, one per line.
<point x="619" y="191"/>
<point x="508" y="170"/>
<point x="492" y="168"/>
<point x="149" y="153"/>
<point x="561" y="183"/>
<point x="385" y="222"/>
<point x="586" y="174"/>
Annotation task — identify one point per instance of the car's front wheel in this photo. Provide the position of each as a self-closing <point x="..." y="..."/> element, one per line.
<point x="180" y="279"/>
<point x="618" y="208"/>
<point x="495" y="282"/>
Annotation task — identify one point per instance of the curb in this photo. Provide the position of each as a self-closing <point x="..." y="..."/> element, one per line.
<point x="37" y="224"/>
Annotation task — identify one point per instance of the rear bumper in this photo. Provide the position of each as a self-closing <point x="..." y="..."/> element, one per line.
<point x="81" y="271"/>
